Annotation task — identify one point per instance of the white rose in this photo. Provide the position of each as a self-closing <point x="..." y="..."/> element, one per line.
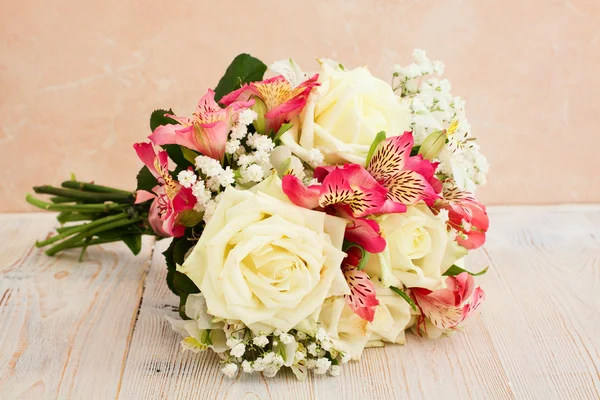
<point x="419" y="249"/>
<point x="348" y="331"/>
<point x="267" y="262"/>
<point x="344" y="114"/>
<point x="392" y="316"/>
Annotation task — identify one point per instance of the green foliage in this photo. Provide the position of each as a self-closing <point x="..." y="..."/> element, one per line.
<point x="243" y="69"/>
<point x="455" y="270"/>
<point x="364" y="255"/>
<point x="378" y="139"/>
<point x="134" y="242"/>
<point x="284" y="128"/>
<point x="145" y="179"/>
<point x="415" y="150"/>
<point x="176" y="154"/>
<point x="158" y="118"/>
<point x="405" y="297"/>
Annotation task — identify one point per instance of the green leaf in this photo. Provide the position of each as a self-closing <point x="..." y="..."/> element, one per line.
<point x="158" y="118"/>
<point x="284" y="128"/>
<point x="145" y="179"/>
<point x="405" y="297"/>
<point x="364" y="256"/>
<point x="134" y="242"/>
<point x="174" y="255"/>
<point x="378" y="139"/>
<point x="189" y="155"/>
<point x="243" y="69"/>
<point x="175" y="153"/>
<point x="415" y="151"/>
<point x="455" y="270"/>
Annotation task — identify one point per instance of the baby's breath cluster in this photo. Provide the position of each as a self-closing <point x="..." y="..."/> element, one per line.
<point x="433" y="108"/>
<point x="268" y="353"/>
<point x="248" y="162"/>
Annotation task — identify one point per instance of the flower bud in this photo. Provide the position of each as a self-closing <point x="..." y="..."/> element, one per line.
<point x="432" y="145"/>
<point x="189" y="218"/>
<point x="261" y="109"/>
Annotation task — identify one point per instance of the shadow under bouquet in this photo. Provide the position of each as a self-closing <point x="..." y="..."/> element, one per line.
<point x="311" y="215"/>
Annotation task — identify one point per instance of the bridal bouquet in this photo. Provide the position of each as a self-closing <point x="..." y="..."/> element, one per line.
<point x="311" y="215"/>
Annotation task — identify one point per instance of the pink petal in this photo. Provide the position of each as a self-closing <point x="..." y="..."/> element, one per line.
<point x="462" y="285"/>
<point x="362" y="298"/>
<point x="321" y="172"/>
<point x="366" y="233"/>
<point x="142" y="196"/>
<point x="184" y="200"/>
<point x="211" y="139"/>
<point x="307" y="197"/>
<point x="474" y="240"/>
<point x="409" y="187"/>
<point x="244" y="93"/>
<point x="438" y="306"/>
<point x="146" y="153"/>
<point x="353" y="186"/>
<point x="390" y="156"/>
<point x="174" y="134"/>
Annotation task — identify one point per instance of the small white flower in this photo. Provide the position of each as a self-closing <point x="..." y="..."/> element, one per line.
<point x="312" y="349"/>
<point x="238" y="131"/>
<point x="209" y="166"/>
<point x="300" y="335"/>
<point x="259" y="364"/>
<point x="269" y="357"/>
<point x="321" y="335"/>
<point x="270" y="371"/>
<point x="232" y="342"/>
<point x="247" y="366"/>
<point x="335" y="370"/>
<point x="187" y="178"/>
<point x="326" y="345"/>
<point x="253" y="173"/>
<point x="438" y="67"/>
<point x="232" y="146"/>
<point x="202" y="194"/>
<point x="246" y="159"/>
<point x="260" y="341"/>
<point x="247" y="116"/>
<point x="238" y="350"/>
<point x="214" y="183"/>
<point x="209" y="210"/>
<point x="311" y="363"/>
<point x="230" y="370"/>
<point x="315" y="157"/>
<point x="275" y="342"/>
<point x="260" y="142"/>
<point x="286" y="338"/>
<point x="226" y="177"/>
<point x="346" y="357"/>
<point x="299" y="356"/>
<point x="322" y="365"/>
<point x="277" y="332"/>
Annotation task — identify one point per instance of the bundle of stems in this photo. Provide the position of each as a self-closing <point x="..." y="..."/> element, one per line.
<point x="92" y="214"/>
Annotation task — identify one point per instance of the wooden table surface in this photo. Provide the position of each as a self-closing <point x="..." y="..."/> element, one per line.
<point x="97" y="329"/>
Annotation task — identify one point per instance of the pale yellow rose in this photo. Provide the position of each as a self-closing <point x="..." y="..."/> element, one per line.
<point x="344" y="114"/>
<point x="419" y="249"/>
<point x="392" y="316"/>
<point x="265" y="261"/>
<point x="348" y="331"/>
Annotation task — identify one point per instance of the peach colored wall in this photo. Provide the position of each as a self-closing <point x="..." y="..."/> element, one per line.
<point x="78" y="79"/>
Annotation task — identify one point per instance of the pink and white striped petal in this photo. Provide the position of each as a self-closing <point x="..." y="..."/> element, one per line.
<point x="362" y="298"/>
<point x="390" y="156"/>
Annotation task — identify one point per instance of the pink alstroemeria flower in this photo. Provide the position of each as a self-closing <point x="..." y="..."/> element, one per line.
<point x="349" y="192"/>
<point x="466" y="215"/>
<point x="446" y="308"/>
<point x="206" y="131"/>
<point x="407" y="178"/>
<point x="362" y="298"/>
<point x="170" y="198"/>
<point x="282" y="102"/>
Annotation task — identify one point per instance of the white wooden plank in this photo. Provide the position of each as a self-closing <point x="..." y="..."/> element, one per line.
<point x="543" y="306"/>
<point x="64" y="326"/>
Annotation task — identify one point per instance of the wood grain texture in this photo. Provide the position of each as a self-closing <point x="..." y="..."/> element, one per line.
<point x="65" y="326"/>
<point x="535" y="338"/>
